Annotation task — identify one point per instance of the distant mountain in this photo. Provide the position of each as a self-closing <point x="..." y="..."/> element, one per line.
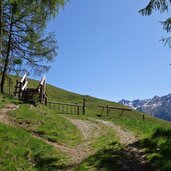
<point x="157" y="106"/>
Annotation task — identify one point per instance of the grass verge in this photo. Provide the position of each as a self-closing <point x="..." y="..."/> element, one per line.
<point x="154" y="135"/>
<point x="20" y="151"/>
<point x="158" y="148"/>
<point x="47" y="124"/>
<point x="108" y="153"/>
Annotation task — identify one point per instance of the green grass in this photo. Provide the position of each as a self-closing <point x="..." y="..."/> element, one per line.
<point x="105" y="159"/>
<point x="20" y="151"/>
<point x="47" y="123"/>
<point x="154" y="136"/>
<point x="108" y="153"/>
<point x="158" y="148"/>
<point x="5" y="99"/>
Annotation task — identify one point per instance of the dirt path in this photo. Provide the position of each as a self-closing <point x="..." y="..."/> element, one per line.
<point x="125" y="137"/>
<point x="77" y="154"/>
<point x="4" y="113"/>
<point x="89" y="131"/>
<point x="133" y="158"/>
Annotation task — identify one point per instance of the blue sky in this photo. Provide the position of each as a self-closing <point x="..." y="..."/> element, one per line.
<point x="108" y="50"/>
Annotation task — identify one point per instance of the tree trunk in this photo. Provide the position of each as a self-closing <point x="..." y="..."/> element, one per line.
<point x="1" y="28"/>
<point x="5" y="68"/>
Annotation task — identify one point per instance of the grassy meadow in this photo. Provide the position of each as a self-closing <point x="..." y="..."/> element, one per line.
<point x="20" y="151"/>
<point x="154" y="134"/>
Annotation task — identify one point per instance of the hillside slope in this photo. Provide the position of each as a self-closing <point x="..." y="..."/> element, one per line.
<point x="92" y="104"/>
<point x="152" y="134"/>
<point x="56" y="94"/>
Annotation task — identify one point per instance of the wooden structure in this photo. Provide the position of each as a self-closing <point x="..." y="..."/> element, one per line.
<point x="31" y="94"/>
<point x="68" y="108"/>
<point x="109" y="108"/>
<point x="20" y="86"/>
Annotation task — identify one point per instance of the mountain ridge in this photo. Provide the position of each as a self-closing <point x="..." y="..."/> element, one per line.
<point x="157" y="106"/>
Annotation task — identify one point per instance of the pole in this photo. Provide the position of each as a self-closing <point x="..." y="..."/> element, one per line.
<point x="9" y="86"/>
<point x="84" y="106"/>
<point x="78" y="110"/>
<point x="107" y="110"/>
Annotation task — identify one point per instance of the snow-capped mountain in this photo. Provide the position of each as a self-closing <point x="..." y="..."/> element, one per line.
<point x="157" y="106"/>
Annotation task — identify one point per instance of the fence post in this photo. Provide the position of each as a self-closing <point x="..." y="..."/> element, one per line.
<point x="71" y="109"/>
<point x="107" y="110"/>
<point x="78" y="110"/>
<point x="83" y="106"/>
<point x="20" y="86"/>
<point x="9" y="90"/>
<point x="45" y="101"/>
<point x="15" y="93"/>
<point x="58" y="108"/>
<point x="143" y="117"/>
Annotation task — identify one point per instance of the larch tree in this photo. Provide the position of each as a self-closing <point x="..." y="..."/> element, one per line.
<point x="24" y="45"/>
<point x="162" y="6"/>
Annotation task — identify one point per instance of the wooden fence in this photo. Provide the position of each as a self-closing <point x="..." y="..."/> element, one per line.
<point x="68" y="108"/>
<point x="109" y="108"/>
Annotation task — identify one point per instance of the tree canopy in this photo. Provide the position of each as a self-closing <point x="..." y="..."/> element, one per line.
<point x="24" y="44"/>
<point x="162" y="6"/>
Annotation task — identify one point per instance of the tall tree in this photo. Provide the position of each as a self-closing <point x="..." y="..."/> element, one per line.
<point x="1" y="13"/>
<point x="25" y="47"/>
<point x="162" y="6"/>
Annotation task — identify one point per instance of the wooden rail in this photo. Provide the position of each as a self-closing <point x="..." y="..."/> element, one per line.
<point x="20" y="86"/>
<point x="117" y="108"/>
<point x="62" y="103"/>
<point x="43" y="80"/>
<point x="23" y="78"/>
<point x="24" y="86"/>
<point x="108" y="109"/>
<point x="68" y="108"/>
<point x="41" y="88"/>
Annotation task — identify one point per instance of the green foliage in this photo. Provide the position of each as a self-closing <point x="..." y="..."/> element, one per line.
<point x="23" y="37"/>
<point x="25" y="46"/>
<point x="52" y="6"/>
<point x="19" y="151"/>
<point x="162" y="6"/>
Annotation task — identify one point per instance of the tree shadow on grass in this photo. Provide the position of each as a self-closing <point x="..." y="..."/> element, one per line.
<point x="114" y="158"/>
<point x="45" y="163"/>
<point x="158" y="147"/>
<point x="49" y="164"/>
<point x="106" y="159"/>
<point x="117" y="158"/>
